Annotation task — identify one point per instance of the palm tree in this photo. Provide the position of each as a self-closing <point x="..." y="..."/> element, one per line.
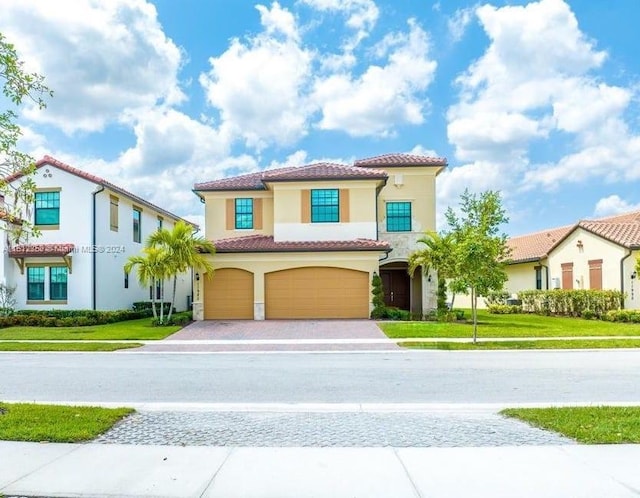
<point x="152" y="267"/>
<point x="184" y="251"/>
<point x="436" y="254"/>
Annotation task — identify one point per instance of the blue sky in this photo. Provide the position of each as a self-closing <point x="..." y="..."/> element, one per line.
<point x="537" y="99"/>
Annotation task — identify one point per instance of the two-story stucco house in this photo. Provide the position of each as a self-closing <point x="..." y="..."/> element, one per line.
<point x="591" y="254"/>
<point x="89" y="227"/>
<point x="305" y="242"/>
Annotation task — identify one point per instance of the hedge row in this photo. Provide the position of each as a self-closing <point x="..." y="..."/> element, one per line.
<point x="571" y="302"/>
<point x="69" y="318"/>
<point x="504" y="309"/>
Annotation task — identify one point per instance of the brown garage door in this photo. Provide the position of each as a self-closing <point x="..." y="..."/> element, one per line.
<point x="317" y="292"/>
<point x="228" y="295"/>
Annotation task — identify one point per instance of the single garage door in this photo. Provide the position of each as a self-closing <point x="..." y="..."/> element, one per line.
<point x="229" y="295"/>
<point x="317" y="292"/>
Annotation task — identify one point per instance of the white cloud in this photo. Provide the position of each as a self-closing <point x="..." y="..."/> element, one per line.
<point x="278" y="20"/>
<point x="100" y="58"/>
<point x="613" y="204"/>
<point x="458" y="23"/>
<point x="258" y="86"/>
<point x="361" y="15"/>
<point x="384" y="96"/>
<point x="298" y="158"/>
<point x="420" y="150"/>
<point x="537" y="81"/>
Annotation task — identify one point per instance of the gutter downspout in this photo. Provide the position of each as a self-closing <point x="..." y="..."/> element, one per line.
<point x="93" y="243"/>
<point x="622" y="272"/>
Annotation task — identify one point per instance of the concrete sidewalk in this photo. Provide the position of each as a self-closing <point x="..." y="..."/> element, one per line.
<point x="95" y="470"/>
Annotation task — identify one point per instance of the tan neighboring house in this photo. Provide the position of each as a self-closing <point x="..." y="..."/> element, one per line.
<point x="305" y="242"/>
<point x="592" y="254"/>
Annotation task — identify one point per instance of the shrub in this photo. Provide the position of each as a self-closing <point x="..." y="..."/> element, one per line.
<point x="377" y="291"/>
<point x="459" y="314"/>
<point x="504" y="309"/>
<point x="628" y="316"/>
<point x="496" y="297"/>
<point x="181" y="319"/>
<point x="69" y="318"/>
<point x="570" y="302"/>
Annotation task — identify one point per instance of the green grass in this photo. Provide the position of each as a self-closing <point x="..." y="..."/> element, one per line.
<point x="524" y="325"/>
<point x="65" y="346"/>
<point x="537" y="344"/>
<point x="140" y="329"/>
<point x="56" y="424"/>
<point x="589" y="425"/>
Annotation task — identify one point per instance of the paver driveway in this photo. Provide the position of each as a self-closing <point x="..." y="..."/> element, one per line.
<point x="276" y="335"/>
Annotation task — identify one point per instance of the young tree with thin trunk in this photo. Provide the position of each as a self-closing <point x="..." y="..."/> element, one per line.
<point x="184" y="251"/>
<point x="18" y="86"/>
<point x="479" y="249"/>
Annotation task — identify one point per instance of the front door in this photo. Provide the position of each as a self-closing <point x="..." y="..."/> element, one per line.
<point x="396" y="284"/>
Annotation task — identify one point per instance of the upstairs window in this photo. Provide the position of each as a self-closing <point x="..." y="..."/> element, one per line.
<point x="47" y="208"/>
<point x="35" y="283"/>
<point x="325" y="206"/>
<point x="137" y="225"/>
<point x="160" y="222"/>
<point x="58" y="283"/>
<point x="398" y="216"/>
<point x="244" y="214"/>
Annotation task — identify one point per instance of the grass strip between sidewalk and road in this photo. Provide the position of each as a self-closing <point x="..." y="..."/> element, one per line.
<point x="140" y="329"/>
<point x="514" y="325"/>
<point x="536" y="344"/>
<point x="56" y="424"/>
<point x="588" y="424"/>
<point x="66" y="346"/>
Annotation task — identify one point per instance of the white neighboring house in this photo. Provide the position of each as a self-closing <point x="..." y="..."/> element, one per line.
<point x="89" y="228"/>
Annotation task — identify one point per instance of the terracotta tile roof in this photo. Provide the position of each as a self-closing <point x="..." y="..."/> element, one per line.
<point x="622" y="229"/>
<point x="391" y="160"/>
<point x="265" y="243"/>
<point x="48" y="160"/>
<point x="251" y="181"/>
<point x="33" y="250"/>
<point x="624" y="234"/>
<point x="316" y="171"/>
<point x="534" y="246"/>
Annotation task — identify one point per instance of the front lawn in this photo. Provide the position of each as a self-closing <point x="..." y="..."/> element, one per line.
<point x="520" y="325"/>
<point x="56" y="424"/>
<point x="589" y="425"/>
<point x="66" y="346"/>
<point x="140" y="329"/>
<point x="537" y="344"/>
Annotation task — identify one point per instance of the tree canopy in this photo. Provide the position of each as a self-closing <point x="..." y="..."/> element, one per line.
<point x="18" y="86"/>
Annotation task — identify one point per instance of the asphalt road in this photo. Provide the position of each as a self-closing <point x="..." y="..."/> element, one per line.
<point x="405" y="377"/>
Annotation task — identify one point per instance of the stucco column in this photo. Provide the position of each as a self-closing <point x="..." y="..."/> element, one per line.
<point x="258" y="296"/>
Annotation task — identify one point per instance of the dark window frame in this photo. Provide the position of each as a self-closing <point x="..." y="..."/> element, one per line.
<point x="30" y="283"/>
<point x="46" y="202"/>
<point x="244" y="213"/>
<point x="137" y="230"/>
<point x="61" y="292"/>
<point x="325" y="205"/>
<point x="398" y="221"/>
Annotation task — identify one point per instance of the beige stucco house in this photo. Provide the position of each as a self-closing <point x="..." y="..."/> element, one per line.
<point x="591" y="254"/>
<point x="305" y="242"/>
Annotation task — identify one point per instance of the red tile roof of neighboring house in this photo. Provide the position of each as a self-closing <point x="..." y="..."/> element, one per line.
<point x="622" y="229"/>
<point x="624" y="234"/>
<point x="391" y="160"/>
<point x="310" y="172"/>
<point x="534" y="246"/>
<point x="33" y="250"/>
<point x="51" y="161"/>
<point x="265" y="243"/>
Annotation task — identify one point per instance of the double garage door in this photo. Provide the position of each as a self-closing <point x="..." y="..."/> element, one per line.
<point x="315" y="292"/>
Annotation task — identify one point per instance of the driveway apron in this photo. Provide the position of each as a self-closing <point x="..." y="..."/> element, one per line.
<point x="275" y="335"/>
